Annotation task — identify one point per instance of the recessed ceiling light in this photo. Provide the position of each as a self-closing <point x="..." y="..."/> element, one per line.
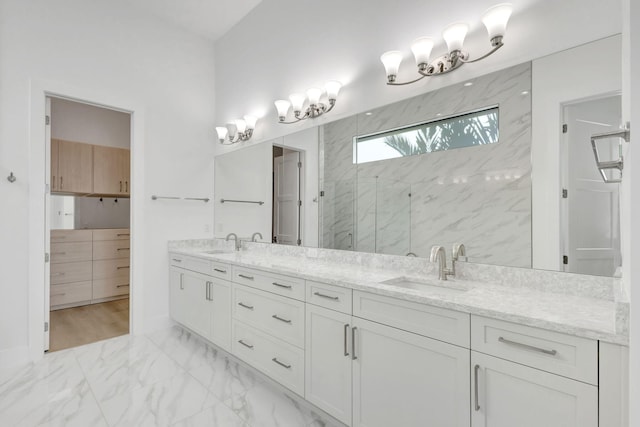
<point x="524" y="92"/>
<point x="439" y="114"/>
<point x="368" y="113"/>
<point x="467" y="84"/>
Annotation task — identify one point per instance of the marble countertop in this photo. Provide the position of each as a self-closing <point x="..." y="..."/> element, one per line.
<point x="575" y="315"/>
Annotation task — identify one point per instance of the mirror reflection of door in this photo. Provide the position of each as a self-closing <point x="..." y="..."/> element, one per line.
<point x="286" y="196"/>
<point x="591" y="208"/>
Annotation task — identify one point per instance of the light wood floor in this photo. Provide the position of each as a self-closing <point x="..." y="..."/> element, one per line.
<point x="76" y="326"/>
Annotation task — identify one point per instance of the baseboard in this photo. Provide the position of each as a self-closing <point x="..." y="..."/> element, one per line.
<point x="14" y="357"/>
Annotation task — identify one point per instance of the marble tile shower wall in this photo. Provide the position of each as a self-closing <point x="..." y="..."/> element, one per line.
<point x="477" y="195"/>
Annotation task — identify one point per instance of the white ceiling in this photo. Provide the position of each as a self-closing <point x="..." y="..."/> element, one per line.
<point x="208" y="18"/>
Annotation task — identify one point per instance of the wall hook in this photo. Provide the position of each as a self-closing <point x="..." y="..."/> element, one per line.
<point x="11" y="178"/>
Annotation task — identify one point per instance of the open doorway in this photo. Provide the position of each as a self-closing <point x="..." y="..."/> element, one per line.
<point x="287" y="196"/>
<point x="87" y="223"/>
<point x="590" y="208"/>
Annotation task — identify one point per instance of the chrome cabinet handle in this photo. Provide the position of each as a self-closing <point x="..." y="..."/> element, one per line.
<point x="181" y="280"/>
<point x="122" y="286"/>
<point x="245" y="344"/>
<point x="280" y="285"/>
<point x="121" y="186"/>
<point x="122" y="249"/>
<point x="53" y="182"/>
<point x="245" y="277"/>
<point x="126" y="186"/>
<point x="275" y="316"/>
<point x="60" y="182"/>
<point x="353" y="343"/>
<point x="475" y="389"/>
<point x="219" y="270"/>
<point x="346" y="332"/>
<point x="125" y="234"/>
<point x="59" y="295"/>
<point x="207" y="291"/>
<point x="284" y="365"/>
<point x="326" y="296"/>
<point x="122" y="267"/>
<point x="527" y="346"/>
<point x="176" y="260"/>
<point x="58" y="274"/>
<point x="248" y="307"/>
<point x="58" y="253"/>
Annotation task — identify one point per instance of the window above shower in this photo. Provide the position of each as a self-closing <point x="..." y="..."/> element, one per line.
<point x="480" y="127"/>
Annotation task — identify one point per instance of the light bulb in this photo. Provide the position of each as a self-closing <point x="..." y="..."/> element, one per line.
<point x="241" y="126"/>
<point x="421" y="49"/>
<point x="297" y="101"/>
<point x="391" y="61"/>
<point x="222" y="133"/>
<point x="250" y="121"/>
<point x="495" y="19"/>
<point x="283" y="108"/>
<point x="332" y="88"/>
<point x="314" y="95"/>
<point x="454" y="35"/>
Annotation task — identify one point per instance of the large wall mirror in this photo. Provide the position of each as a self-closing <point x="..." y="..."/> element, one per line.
<point x="448" y="166"/>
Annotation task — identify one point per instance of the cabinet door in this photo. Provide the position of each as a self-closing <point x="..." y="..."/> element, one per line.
<point x="107" y="177"/>
<point x="55" y="176"/>
<point x="75" y="167"/>
<point x="404" y="379"/>
<point x="197" y="316"/>
<point x="507" y="394"/>
<point x="177" y="306"/>
<point x="220" y="311"/>
<point x="328" y="361"/>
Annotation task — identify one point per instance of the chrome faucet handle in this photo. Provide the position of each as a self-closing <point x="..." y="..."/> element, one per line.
<point x="458" y="251"/>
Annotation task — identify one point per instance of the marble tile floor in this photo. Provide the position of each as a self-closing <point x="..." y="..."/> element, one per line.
<point x="167" y="378"/>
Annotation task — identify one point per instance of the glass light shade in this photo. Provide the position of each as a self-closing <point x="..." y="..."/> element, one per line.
<point x="314" y="95"/>
<point x="250" y="121"/>
<point x="496" y="18"/>
<point x="241" y="126"/>
<point x="454" y="35"/>
<point x="283" y="107"/>
<point x="222" y="133"/>
<point x="421" y="49"/>
<point x="297" y="101"/>
<point x="332" y="88"/>
<point x="391" y="61"/>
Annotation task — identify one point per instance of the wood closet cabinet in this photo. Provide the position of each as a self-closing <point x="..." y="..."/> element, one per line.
<point x="71" y="167"/>
<point x="111" y="171"/>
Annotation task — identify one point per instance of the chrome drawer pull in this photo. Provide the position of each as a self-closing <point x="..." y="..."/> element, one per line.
<point x="58" y="274"/>
<point x="219" y="270"/>
<point x="122" y="249"/>
<point x="326" y="296"/>
<point x="248" y="307"/>
<point x="275" y="316"/>
<point x="284" y="365"/>
<point x="245" y="277"/>
<point x="58" y="295"/>
<point x="122" y="267"/>
<point x="176" y="260"/>
<point x="58" y="253"/>
<point x="122" y="286"/>
<point x="281" y="285"/>
<point x="245" y="344"/>
<point x="353" y="343"/>
<point x="122" y="234"/>
<point x="346" y="332"/>
<point x="475" y="390"/>
<point x="527" y="346"/>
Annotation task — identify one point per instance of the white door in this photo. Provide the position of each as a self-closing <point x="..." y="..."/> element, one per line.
<point x="220" y="310"/>
<point x="286" y="186"/>
<point x="592" y="217"/>
<point x="328" y="361"/>
<point x="404" y="379"/>
<point x="510" y="394"/>
<point x="47" y="223"/>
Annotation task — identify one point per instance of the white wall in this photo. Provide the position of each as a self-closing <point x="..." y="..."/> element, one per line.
<point x="287" y="46"/>
<point x="74" y="121"/>
<point x="107" y="50"/>
<point x="559" y="79"/>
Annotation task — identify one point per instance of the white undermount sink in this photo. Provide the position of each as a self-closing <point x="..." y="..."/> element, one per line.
<point x="447" y="288"/>
<point x="216" y="251"/>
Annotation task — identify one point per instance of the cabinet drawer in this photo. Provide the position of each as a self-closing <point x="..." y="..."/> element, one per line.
<point x="111" y="234"/>
<point x="70" y="293"/>
<point x="329" y="296"/>
<point x="554" y="352"/>
<point x="111" y="249"/>
<point x="220" y="270"/>
<point x="105" y="269"/>
<point x="113" y="287"/>
<point x="279" y="360"/>
<point x="71" y="252"/>
<point x="62" y="236"/>
<point x="291" y="287"/>
<point x="69" y="272"/>
<point x="198" y="265"/>
<point x="273" y="314"/>
<point x="433" y="322"/>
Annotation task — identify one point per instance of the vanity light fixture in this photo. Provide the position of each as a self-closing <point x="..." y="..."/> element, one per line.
<point x="314" y="109"/>
<point x="237" y="130"/>
<point x="495" y="20"/>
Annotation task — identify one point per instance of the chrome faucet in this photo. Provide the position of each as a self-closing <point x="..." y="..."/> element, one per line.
<point x="253" y="237"/>
<point x="440" y="256"/>
<point x="235" y="238"/>
<point x="458" y="251"/>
